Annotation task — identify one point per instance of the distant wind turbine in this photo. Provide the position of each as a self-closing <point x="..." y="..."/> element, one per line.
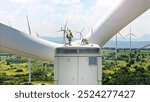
<point x="81" y="36"/>
<point x="64" y="30"/>
<point x="130" y="34"/>
<point x="117" y="44"/>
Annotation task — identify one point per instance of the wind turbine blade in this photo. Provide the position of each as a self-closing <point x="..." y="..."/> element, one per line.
<point x="121" y="35"/>
<point x="28" y="25"/>
<point x="120" y="16"/>
<point x="127" y="35"/>
<point x="59" y="31"/>
<point x="66" y="23"/>
<point x="82" y="29"/>
<point x="77" y="32"/>
<point x="130" y="29"/>
<point x="19" y="43"/>
<point x="144" y="46"/>
<point x="133" y="35"/>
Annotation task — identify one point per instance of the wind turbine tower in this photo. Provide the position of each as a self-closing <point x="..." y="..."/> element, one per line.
<point x="130" y="34"/>
<point x="117" y="44"/>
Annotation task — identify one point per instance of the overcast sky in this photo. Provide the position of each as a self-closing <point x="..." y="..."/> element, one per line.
<point x="47" y="16"/>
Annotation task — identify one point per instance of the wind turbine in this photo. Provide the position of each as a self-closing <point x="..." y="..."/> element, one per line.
<point x="64" y="30"/>
<point x="29" y="59"/>
<point x="130" y="34"/>
<point x="117" y="45"/>
<point x="81" y="36"/>
<point x="104" y="30"/>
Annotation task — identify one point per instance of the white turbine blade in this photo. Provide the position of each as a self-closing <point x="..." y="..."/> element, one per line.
<point x="144" y="46"/>
<point x="127" y="35"/>
<point x="28" y="25"/>
<point x="66" y="23"/>
<point x="130" y="29"/>
<point x="121" y="35"/>
<point x="117" y="19"/>
<point x="82" y="29"/>
<point x="133" y="35"/>
<point x="77" y="32"/>
<point x="59" y="31"/>
<point x="19" y="43"/>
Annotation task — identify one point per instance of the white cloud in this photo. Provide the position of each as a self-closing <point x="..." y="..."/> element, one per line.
<point x="140" y="26"/>
<point x="47" y="16"/>
<point x="65" y="2"/>
<point x="23" y="1"/>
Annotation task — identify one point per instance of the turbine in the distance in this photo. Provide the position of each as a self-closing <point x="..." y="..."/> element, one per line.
<point x="80" y="32"/>
<point x="130" y="34"/>
<point x="116" y="49"/>
<point x="64" y="30"/>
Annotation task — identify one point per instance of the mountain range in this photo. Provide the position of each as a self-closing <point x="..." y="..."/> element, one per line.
<point x="137" y="43"/>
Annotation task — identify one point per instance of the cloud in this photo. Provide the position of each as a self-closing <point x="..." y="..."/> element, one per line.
<point x="140" y="26"/>
<point x="47" y="16"/>
<point x="23" y="1"/>
<point x="65" y="2"/>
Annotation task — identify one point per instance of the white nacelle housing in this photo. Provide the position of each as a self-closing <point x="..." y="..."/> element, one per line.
<point x="80" y="65"/>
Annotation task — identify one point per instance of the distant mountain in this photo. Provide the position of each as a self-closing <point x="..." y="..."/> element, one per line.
<point x="121" y="44"/>
<point x="126" y="44"/>
<point x="53" y="39"/>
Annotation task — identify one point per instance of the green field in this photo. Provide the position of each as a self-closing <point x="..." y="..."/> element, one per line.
<point x="14" y="71"/>
<point x="121" y="70"/>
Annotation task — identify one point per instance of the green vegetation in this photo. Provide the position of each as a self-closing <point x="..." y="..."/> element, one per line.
<point x="125" y="70"/>
<point x="14" y="71"/>
<point x="120" y="71"/>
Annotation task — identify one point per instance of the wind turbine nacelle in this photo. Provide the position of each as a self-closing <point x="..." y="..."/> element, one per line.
<point x="78" y="65"/>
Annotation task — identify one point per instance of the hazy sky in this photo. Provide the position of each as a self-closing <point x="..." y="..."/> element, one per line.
<point x="47" y="16"/>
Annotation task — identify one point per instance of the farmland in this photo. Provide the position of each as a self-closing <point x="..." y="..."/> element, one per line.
<point x="125" y="69"/>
